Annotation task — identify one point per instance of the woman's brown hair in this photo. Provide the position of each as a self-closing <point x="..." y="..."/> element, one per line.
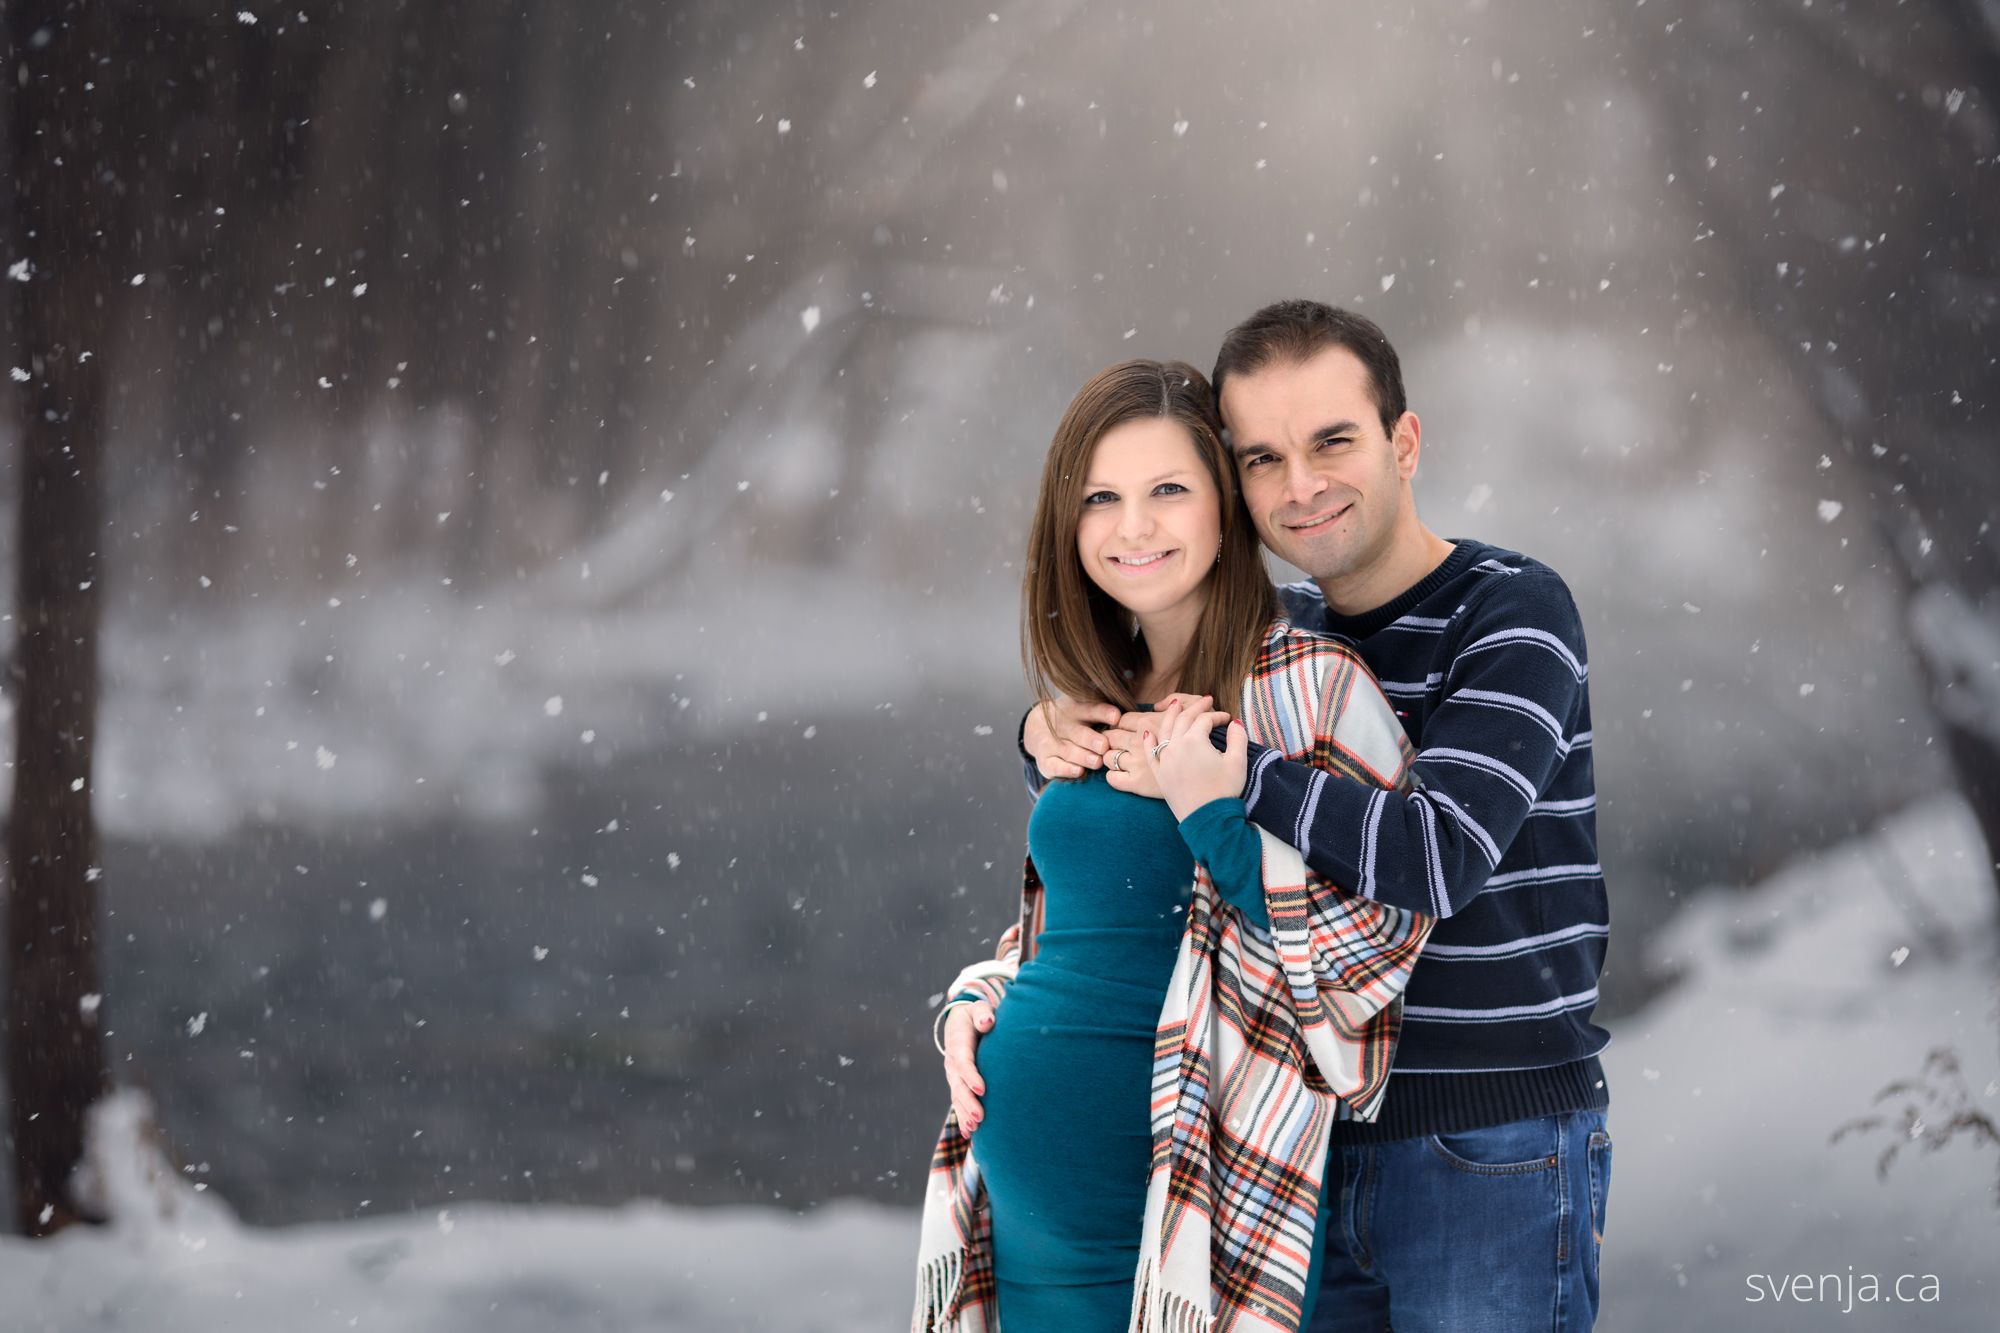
<point x="1074" y="638"/>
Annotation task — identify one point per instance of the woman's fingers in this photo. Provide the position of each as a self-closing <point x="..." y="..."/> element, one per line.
<point x="962" y="1029"/>
<point x="1183" y="722"/>
<point x="1208" y="722"/>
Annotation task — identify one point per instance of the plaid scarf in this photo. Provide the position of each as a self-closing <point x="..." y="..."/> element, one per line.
<point x="1264" y="1041"/>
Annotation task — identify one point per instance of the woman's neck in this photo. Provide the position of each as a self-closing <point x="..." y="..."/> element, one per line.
<point x="1168" y="636"/>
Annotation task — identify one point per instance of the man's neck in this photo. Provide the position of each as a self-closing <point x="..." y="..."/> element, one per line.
<point x="1405" y="565"/>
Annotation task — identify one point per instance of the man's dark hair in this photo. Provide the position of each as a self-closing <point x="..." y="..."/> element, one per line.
<point x="1296" y="331"/>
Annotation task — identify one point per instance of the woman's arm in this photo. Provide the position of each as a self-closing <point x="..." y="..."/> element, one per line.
<point x="1223" y="839"/>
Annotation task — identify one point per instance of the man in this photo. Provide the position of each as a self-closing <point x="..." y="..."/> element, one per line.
<point x="1476" y="1199"/>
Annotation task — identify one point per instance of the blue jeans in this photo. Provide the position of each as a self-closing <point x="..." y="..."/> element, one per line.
<point x="1495" y="1229"/>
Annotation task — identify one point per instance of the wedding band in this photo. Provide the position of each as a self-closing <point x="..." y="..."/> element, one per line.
<point x="1161" y="746"/>
<point x="1114" y="763"/>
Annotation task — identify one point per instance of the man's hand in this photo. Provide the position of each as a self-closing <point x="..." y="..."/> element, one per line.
<point x="1062" y="737"/>
<point x="1190" y="772"/>
<point x="963" y="1027"/>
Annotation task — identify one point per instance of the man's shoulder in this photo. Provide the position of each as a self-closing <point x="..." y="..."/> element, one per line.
<point x="1504" y="584"/>
<point x="1497" y="564"/>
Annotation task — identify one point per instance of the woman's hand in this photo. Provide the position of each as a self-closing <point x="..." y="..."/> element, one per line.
<point x="1121" y="741"/>
<point x="963" y="1027"/>
<point x="1188" y="770"/>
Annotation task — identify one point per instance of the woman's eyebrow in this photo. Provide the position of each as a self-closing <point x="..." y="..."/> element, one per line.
<point x="1164" y="476"/>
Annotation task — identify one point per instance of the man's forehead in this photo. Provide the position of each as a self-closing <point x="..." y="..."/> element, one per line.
<point x="1330" y="382"/>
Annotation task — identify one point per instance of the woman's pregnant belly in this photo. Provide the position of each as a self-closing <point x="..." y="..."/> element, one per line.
<point x="1067" y="1138"/>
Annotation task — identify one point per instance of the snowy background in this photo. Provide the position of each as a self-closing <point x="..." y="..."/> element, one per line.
<point x="561" y="656"/>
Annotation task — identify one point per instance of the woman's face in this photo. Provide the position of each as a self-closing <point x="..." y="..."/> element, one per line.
<point x="1151" y="519"/>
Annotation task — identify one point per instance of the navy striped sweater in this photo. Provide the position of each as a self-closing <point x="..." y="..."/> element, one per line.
<point x="1484" y="661"/>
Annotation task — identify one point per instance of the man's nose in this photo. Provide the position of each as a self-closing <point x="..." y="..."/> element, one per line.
<point x="1302" y="484"/>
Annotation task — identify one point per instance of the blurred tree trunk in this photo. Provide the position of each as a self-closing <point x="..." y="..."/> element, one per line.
<point x="1845" y="159"/>
<point x="66" y="226"/>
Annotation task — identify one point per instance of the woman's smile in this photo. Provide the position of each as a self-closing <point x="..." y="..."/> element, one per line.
<point x="1142" y="562"/>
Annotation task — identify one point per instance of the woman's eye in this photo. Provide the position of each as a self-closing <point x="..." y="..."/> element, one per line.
<point x="1170" y="488"/>
<point x="1098" y="498"/>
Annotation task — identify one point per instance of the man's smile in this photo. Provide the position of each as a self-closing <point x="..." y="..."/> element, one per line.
<point x="1319" y="522"/>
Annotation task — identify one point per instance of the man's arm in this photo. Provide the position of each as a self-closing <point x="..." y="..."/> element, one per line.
<point x="1512" y="698"/>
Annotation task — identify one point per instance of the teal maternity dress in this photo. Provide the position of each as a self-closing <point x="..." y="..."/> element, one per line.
<point x="1066" y="1140"/>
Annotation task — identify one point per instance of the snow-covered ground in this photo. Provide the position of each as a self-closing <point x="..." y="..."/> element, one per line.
<point x="176" y="1261"/>
<point x="1801" y="999"/>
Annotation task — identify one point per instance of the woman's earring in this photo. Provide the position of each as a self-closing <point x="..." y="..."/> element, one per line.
<point x="1218" y="550"/>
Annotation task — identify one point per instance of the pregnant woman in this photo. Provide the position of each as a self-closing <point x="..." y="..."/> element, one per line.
<point x="1186" y="1013"/>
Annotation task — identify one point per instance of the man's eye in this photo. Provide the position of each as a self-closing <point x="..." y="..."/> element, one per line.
<point x="1256" y="460"/>
<point x="1329" y="442"/>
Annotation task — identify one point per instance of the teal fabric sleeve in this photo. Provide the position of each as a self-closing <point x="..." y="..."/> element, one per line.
<point x="1222" y="838"/>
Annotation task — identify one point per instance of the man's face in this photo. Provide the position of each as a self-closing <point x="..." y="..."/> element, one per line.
<point x="1322" y="481"/>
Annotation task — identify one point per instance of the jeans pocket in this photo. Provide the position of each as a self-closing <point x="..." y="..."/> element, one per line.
<point x="1518" y="1148"/>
